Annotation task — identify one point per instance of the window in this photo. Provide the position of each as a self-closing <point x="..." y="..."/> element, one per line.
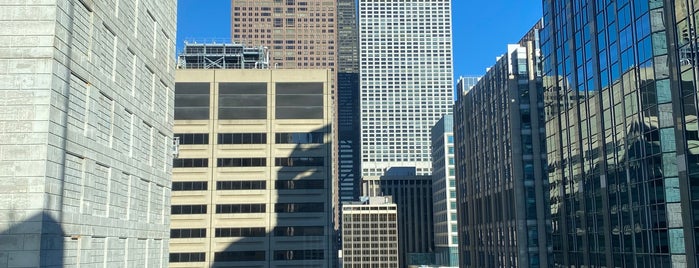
<point x="240" y="208"/>
<point x="188" y="257"/>
<point x="299" y="138"/>
<point x="299" y="184"/>
<point x="241" y="162"/>
<point x="190" y="162"/>
<point x="192" y="101"/>
<point x="193" y="138"/>
<point x="242" y="138"/>
<point x="299" y="101"/>
<point x="232" y="256"/>
<point x="242" y="101"/>
<point x="187" y="233"/>
<point x="188" y="209"/>
<point x="290" y="255"/>
<point x="298" y="231"/>
<point x="241" y="185"/>
<point x="298" y="207"/>
<point x="189" y="185"/>
<point x="241" y="232"/>
<point x="299" y="162"/>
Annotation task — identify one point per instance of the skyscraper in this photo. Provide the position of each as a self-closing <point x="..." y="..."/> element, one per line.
<point x="405" y="78"/>
<point x="370" y="233"/>
<point x="252" y="183"/>
<point x="621" y="90"/>
<point x="349" y="138"/>
<point x="86" y="126"/>
<point x="299" y="33"/>
<point x="501" y="163"/>
<point x="446" y="236"/>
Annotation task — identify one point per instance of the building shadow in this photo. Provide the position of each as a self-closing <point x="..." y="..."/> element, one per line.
<point x="300" y="231"/>
<point x="35" y="242"/>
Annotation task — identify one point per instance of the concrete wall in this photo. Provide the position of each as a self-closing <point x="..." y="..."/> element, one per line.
<point x="86" y="93"/>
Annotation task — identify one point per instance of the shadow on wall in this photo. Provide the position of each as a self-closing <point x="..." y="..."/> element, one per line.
<point x="34" y="242"/>
<point x="299" y="233"/>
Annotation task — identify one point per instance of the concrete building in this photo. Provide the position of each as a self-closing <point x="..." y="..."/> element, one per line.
<point x="86" y="93"/>
<point x="406" y="80"/>
<point x="501" y="162"/>
<point x="446" y="236"/>
<point x="252" y="186"/>
<point x="622" y="132"/>
<point x="370" y="233"/>
<point x="413" y="196"/>
<point x="299" y="33"/>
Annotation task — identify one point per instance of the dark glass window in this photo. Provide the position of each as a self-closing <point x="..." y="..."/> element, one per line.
<point x="299" y="138"/>
<point x="187" y="233"/>
<point x="242" y="101"/>
<point x="190" y="185"/>
<point x="241" y="232"/>
<point x="190" y="162"/>
<point x="231" y="256"/>
<point x="302" y="184"/>
<point x="188" y="257"/>
<point x="299" y="101"/>
<point x="192" y="101"/>
<point x="241" y="185"/>
<point x="188" y="209"/>
<point x="242" y="138"/>
<point x="193" y="138"/>
<point x="298" y="231"/>
<point x="299" y="162"/>
<point x="242" y="162"/>
<point x="298" y="207"/>
<point x="240" y="208"/>
<point x="291" y="255"/>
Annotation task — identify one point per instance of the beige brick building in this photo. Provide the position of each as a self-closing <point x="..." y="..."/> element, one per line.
<point x="252" y="182"/>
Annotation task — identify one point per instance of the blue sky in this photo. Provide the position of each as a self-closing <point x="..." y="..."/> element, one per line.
<point x="481" y="28"/>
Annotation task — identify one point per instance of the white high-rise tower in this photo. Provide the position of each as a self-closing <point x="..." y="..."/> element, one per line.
<point x="406" y="80"/>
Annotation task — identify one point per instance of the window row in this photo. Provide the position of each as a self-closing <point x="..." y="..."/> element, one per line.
<point x="259" y="255"/>
<point x="249" y="232"/>
<point x="188" y="233"/>
<point x="188" y="257"/>
<point x="252" y="138"/>
<point x="248" y="185"/>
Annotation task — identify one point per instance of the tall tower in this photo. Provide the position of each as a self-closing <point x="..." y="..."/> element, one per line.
<point x="406" y="80"/>
<point x="86" y="122"/>
<point x="621" y="124"/>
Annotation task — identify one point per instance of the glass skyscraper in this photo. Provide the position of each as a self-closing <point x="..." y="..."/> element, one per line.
<point x="405" y="78"/>
<point x="621" y="105"/>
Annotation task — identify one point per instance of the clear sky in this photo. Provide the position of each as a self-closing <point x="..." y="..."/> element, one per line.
<point x="481" y="28"/>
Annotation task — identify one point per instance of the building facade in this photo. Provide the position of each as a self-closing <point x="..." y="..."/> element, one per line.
<point x="370" y="232"/>
<point x="405" y="78"/>
<point x="86" y="127"/>
<point x="300" y="34"/>
<point x="252" y="182"/>
<point x="446" y="236"/>
<point x="501" y="154"/>
<point x="413" y="196"/>
<point x="349" y="138"/>
<point x="621" y="91"/>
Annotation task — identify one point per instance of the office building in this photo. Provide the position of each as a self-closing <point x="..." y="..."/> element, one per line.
<point x="413" y="196"/>
<point x="620" y="81"/>
<point x="501" y="163"/>
<point x="370" y="233"/>
<point x="299" y="33"/>
<point x="86" y="127"/>
<point x="251" y="184"/>
<point x="446" y="237"/>
<point x="349" y="137"/>
<point x="406" y="80"/>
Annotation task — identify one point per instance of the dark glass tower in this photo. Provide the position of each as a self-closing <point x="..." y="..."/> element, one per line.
<point x="621" y="105"/>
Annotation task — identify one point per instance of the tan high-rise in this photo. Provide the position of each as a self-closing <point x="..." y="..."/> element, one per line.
<point x="299" y="33"/>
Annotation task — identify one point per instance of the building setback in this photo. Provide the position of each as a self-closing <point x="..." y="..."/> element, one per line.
<point x="252" y="183"/>
<point x="446" y="237"/>
<point x="405" y="78"/>
<point x="501" y="163"/>
<point x="621" y="105"/>
<point x="370" y="233"/>
<point x="86" y="131"/>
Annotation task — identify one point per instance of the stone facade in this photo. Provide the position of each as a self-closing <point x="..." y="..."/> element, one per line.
<point x="86" y="101"/>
